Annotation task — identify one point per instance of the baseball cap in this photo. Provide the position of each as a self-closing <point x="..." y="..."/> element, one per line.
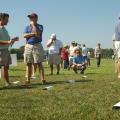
<point x="33" y="15"/>
<point x="73" y="42"/>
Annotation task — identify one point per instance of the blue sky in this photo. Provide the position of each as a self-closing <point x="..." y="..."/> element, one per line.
<point x="85" y="21"/>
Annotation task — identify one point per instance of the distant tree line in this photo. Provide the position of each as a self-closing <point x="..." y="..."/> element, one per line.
<point x="106" y="53"/>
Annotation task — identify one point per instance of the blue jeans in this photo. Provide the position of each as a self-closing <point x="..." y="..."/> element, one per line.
<point x="66" y="64"/>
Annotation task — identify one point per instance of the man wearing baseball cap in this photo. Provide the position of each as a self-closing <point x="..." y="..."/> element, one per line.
<point x="34" y="53"/>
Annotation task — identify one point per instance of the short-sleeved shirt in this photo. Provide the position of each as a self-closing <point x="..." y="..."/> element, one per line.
<point x="78" y="59"/>
<point x="98" y="51"/>
<point x="117" y="31"/>
<point x="55" y="47"/>
<point x="4" y="36"/>
<point x="84" y="51"/>
<point x="72" y="50"/>
<point x="64" y="54"/>
<point x="33" y="40"/>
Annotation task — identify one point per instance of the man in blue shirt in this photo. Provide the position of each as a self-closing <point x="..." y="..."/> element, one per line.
<point x="34" y="53"/>
<point x="79" y="62"/>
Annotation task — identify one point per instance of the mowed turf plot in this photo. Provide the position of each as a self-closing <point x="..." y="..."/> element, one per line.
<point x="89" y="98"/>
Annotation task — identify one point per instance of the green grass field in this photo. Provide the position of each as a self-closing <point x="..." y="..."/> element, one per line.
<point x="86" y="99"/>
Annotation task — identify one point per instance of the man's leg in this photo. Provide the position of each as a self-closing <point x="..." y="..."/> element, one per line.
<point x="74" y="68"/>
<point x="6" y="74"/>
<point x="58" y="68"/>
<point x="51" y="69"/>
<point x="118" y="68"/>
<point x="116" y="62"/>
<point x="41" y="71"/>
<point x="65" y="64"/>
<point x="34" y="67"/>
<point x="83" y="69"/>
<point x="97" y="62"/>
<point x="29" y="71"/>
<point x="61" y="63"/>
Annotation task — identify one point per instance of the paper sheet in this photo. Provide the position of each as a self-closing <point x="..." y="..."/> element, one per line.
<point x="14" y="59"/>
<point x="117" y="105"/>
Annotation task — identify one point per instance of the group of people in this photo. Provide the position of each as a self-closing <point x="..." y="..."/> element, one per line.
<point x="72" y="56"/>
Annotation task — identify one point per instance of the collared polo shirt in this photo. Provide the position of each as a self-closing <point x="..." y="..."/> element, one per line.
<point x="4" y="36"/>
<point x="33" y="40"/>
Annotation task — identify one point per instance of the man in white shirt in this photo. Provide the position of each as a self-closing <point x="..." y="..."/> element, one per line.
<point x="84" y="52"/>
<point x="117" y="45"/>
<point x="54" y="49"/>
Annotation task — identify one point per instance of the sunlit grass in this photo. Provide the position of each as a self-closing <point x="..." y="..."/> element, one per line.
<point x="88" y="98"/>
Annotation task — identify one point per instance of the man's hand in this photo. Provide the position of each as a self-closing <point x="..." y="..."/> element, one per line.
<point x="13" y="40"/>
<point x="79" y="65"/>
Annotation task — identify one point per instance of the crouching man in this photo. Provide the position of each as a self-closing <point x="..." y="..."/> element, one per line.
<point x="79" y="62"/>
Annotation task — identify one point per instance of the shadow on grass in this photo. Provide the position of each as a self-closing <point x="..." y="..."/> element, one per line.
<point x="17" y="69"/>
<point x="36" y="85"/>
<point x="63" y="82"/>
<point x="18" y="87"/>
<point x="84" y="80"/>
<point x="49" y="83"/>
<point x="90" y="73"/>
<point x="15" y="76"/>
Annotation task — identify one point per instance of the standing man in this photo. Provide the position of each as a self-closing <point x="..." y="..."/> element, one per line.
<point x="34" y="52"/>
<point x="54" y="49"/>
<point x="84" y="52"/>
<point x="5" y="42"/>
<point x="117" y="45"/>
<point x="98" y="54"/>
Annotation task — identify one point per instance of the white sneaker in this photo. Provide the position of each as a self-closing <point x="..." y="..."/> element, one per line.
<point x="33" y="77"/>
<point x="16" y="83"/>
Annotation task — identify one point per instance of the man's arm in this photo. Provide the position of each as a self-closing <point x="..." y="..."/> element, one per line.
<point x="74" y="63"/>
<point x="37" y="31"/>
<point x="4" y="41"/>
<point x="28" y="35"/>
<point x="9" y="41"/>
<point x="50" y="42"/>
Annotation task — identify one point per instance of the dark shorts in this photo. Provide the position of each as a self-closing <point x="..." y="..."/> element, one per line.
<point x="5" y="58"/>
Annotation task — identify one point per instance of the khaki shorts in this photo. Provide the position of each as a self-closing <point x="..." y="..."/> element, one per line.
<point x="5" y="58"/>
<point x="54" y="59"/>
<point x="33" y="53"/>
<point x="117" y="48"/>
